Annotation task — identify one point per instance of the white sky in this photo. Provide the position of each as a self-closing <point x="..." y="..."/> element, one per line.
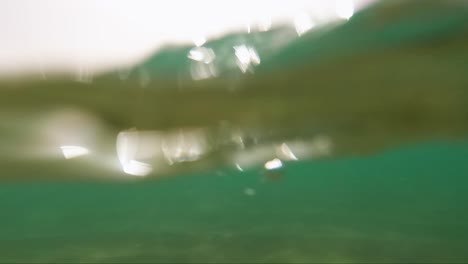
<point x="37" y="34"/>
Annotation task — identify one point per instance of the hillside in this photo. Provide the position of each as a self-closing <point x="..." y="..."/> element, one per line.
<point x="382" y="26"/>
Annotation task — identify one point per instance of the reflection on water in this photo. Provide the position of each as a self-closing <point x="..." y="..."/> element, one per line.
<point x="184" y="145"/>
<point x="136" y="168"/>
<point x="285" y="152"/>
<point x="201" y="70"/>
<point x="201" y="54"/>
<point x="70" y="152"/>
<point x="75" y="134"/>
<point x="159" y="148"/>
<point x="144" y="152"/>
<point x="246" y="57"/>
<point x="273" y="164"/>
<point x="203" y="66"/>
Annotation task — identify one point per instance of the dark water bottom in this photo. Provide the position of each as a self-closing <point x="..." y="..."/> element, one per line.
<point x="205" y="248"/>
<point x="404" y="205"/>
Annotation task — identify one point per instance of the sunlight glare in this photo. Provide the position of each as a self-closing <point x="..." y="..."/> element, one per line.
<point x="70" y="152"/>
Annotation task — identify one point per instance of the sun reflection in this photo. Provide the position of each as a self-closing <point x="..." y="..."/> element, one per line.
<point x="273" y="164"/>
<point x="265" y="24"/>
<point x="143" y="152"/>
<point x="272" y="155"/>
<point x="66" y="132"/>
<point x="202" y="66"/>
<point x="202" y="54"/>
<point x="262" y="23"/>
<point x="284" y="152"/>
<point x="246" y="57"/>
<point x="316" y="147"/>
<point x="344" y="9"/>
<point x="252" y="156"/>
<point x="70" y="152"/>
<point x="200" y="71"/>
<point x="136" y="168"/>
<point x="303" y="23"/>
<point x="133" y="145"/>
<point x="140" y="151"/>
<point x="184" y="146"/>
<point x="199" y="41"/>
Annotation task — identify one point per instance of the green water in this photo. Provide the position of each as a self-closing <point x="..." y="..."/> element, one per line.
<point x="402" y="205"/>
<point x="388" y="89"/>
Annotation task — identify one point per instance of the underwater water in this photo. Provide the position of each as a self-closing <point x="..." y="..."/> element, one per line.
<point x="406" y="204"/>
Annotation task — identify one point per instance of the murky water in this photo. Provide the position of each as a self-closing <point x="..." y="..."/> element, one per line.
<point x="402" y="205"/>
